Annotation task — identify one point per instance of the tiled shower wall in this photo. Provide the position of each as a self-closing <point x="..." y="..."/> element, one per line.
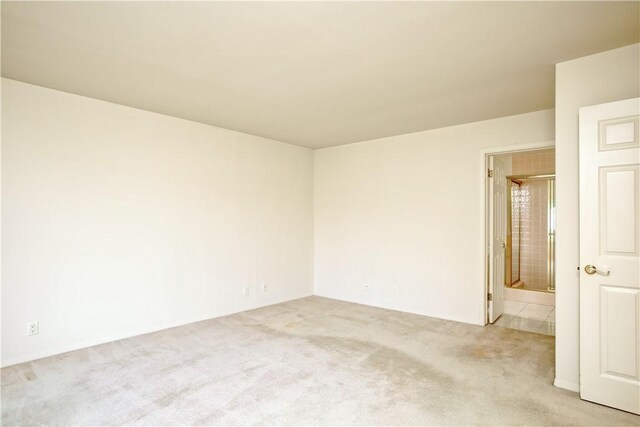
<point x="516" y="207"/>
<point x="530" y="203"/>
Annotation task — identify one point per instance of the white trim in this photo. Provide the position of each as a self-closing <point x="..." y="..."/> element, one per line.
<point x="399" y="310"/>
<point x="142" y="331"/>
<point x="484" y="154"/>
<point x="566" y="385"/>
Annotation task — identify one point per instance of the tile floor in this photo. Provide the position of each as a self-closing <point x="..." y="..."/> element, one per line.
<point x="528" y="317"/>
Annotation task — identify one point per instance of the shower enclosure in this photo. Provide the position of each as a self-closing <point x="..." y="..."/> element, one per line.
<point x="531" y="232"/>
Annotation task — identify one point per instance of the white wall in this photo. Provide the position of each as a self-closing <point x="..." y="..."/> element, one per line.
<point x="118" y="221"/>
<point x="403" y="212"/>
<point x="604" y="77"/>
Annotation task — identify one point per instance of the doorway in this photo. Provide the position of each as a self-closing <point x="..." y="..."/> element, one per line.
<point x="521" y="240"/>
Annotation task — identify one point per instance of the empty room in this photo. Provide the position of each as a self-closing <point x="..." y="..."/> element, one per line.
<point x="320" y="213"/>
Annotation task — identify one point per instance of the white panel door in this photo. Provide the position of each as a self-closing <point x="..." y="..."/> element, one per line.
<point x="609" y="254"/>
<point x="497" y="236"/>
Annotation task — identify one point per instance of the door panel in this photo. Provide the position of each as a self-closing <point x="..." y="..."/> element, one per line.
<point x="609" y="241"/>
<point x="619" y="199"/>
<point x="619" y="332"/>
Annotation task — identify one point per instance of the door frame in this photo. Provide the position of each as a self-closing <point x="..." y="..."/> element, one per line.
<point x="484" y="206"/>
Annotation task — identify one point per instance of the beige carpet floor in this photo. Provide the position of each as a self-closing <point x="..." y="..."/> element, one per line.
<point x="306" y="362"/>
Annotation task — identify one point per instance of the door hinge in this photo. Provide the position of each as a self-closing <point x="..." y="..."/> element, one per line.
<point x="489" y="297"/>
<point x="490" y="173"/>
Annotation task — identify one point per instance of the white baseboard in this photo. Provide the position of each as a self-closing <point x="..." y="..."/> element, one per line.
<point x="400" y="308"/>
<point x="142" y="331"/>
<point x="566" y="385"/>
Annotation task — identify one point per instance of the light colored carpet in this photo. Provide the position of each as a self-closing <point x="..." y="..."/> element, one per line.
<point x="309" y="361"/>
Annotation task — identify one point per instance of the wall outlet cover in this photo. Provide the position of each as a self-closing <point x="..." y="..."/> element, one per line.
<point x="33" y="328"/>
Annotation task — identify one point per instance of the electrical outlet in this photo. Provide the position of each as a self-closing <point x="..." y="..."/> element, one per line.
<point x="33" y="328"/>
<point x="264" y="287"/>
<point x="245" y="290"/>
